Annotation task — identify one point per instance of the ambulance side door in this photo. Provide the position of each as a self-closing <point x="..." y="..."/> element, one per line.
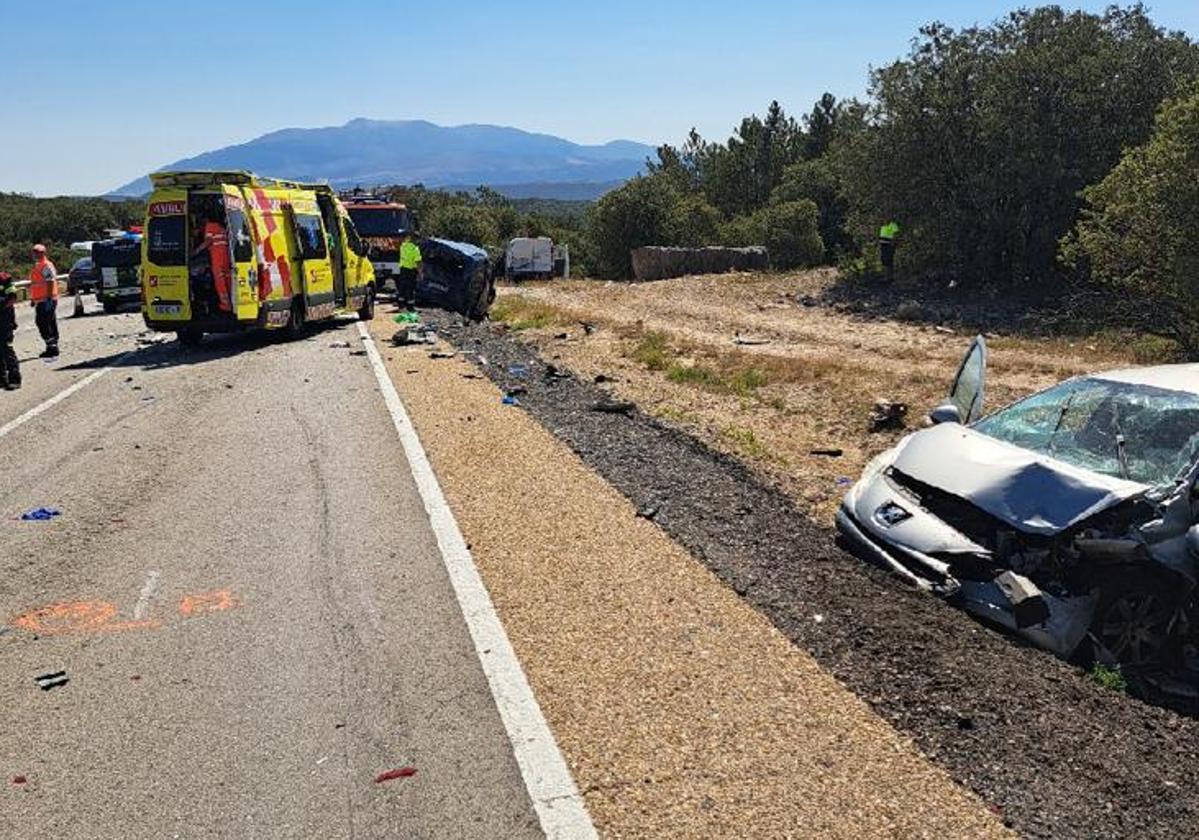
<point x="357" y="275"/>
<point x="313" y="248"/>
<point x="244" y="294"/>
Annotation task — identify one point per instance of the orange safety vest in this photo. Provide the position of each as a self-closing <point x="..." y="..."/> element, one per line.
<point x="43" y="281"/>
<point x="218" y="258"/>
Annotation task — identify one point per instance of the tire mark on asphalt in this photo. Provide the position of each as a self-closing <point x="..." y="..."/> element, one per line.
<point x="331" y="606"/>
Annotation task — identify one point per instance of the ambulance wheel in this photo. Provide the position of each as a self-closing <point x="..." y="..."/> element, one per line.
<point x="367" y="312"/>
<point x="296" y="323"/>
<point x="190" y="337"/>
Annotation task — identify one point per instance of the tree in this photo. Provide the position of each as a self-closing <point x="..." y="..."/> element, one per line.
<point x="980" y="141"/>
<point x="818" y="181"/>
<point x="640" y="212"/>
<point x="693" y="222"/>
<point x="821" y="126"/>
<point x="462" y="223"/>
<point x="1137" y="233"/>
<point x="791" y="234"/>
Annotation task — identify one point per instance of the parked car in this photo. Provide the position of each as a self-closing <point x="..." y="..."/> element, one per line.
<point x="1069" y="517"/>
<point x="83" y="277"/>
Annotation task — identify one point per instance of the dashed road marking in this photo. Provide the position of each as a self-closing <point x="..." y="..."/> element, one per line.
<point x="560" y="808"/>
<point x="143" y="598"/>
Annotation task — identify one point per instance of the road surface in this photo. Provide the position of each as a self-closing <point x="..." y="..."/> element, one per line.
<point x="247" y="600"/>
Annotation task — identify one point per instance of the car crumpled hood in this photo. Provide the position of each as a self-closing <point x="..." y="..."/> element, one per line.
<point x="1031" y="492"/>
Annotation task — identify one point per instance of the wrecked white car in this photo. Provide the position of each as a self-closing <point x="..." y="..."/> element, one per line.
<point x="1068" y="517"/>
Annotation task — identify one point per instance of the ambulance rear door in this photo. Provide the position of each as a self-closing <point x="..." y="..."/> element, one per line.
<point x="166" y="298"/>
<point x="244" y="294"/>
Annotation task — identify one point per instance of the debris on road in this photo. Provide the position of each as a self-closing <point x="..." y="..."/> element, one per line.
<point x="831" y="452"/>
<point x="441" y="354"/>
<point x="613" y="407"/>
<point x="519" y="371"/>
<point x="19" y="780"/>
<point x="340" y="345"/>
<point x="887" y="414"/>
<point x="400" y="773"/>
<point x="647" y="512"/>
<point x="588" y="328"/>
<point x="749" y="340"/>
<point x="603" y="379"/>
<point x="407" y="318"/>
<point x="414" y="335"/>
<point x="508" y="399"/>
<point x="40" y="514"/>
<point x="48" y="681"/>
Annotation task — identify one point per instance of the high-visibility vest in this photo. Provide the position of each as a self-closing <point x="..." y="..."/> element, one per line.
<point x="43" y="281"/>
<point x="410" y="256"/>
<point x="219" y="260"/>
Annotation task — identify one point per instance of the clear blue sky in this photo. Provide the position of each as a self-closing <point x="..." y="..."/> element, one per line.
<point x="94" y="94"/>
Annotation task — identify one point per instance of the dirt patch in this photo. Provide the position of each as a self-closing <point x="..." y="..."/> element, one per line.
<point x="1056" y="754"/>
<point x="760" y="367"/>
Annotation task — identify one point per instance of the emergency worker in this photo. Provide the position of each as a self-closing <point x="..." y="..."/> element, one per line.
<point x="216" y="238"/>
<point x="43" y="297"/>
<point x="10" y="369"/>
<point x="411" y="266"/>
<point x="886" y="247"/>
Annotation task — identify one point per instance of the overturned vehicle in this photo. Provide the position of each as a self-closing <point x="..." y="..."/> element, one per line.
<point x="456" y="276"/>
<point x="1069" y="517"/>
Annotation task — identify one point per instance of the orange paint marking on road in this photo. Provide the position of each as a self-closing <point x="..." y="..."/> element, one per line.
<point x="77" y="617"/>
<point x="216" y="601"/>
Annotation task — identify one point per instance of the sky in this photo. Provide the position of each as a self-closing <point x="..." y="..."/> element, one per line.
<point x="96" y="94"/>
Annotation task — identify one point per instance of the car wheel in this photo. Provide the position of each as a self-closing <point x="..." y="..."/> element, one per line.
<point x="1134" y="619"/>
<point x="367" y="312"/>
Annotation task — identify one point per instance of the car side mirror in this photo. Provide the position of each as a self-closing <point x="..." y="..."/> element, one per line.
<point x="946" y="413"/>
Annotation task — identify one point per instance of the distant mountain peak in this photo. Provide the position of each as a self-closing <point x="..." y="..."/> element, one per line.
<point x="367" y="152"/>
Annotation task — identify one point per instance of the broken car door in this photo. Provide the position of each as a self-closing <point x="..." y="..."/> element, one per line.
<point x="967" y="391"/>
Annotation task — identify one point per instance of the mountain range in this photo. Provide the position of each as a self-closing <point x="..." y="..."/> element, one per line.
<point x="374" y="152"/>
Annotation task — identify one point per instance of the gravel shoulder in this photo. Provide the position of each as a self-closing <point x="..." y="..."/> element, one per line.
<point x="681" y="710"/>
<point x="1055" y="755"/>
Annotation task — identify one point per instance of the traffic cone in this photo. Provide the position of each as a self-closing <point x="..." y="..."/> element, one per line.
<point x="78" y="305"/>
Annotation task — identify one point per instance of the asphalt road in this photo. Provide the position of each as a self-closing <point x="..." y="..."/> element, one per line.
<point x="247" y="601"/>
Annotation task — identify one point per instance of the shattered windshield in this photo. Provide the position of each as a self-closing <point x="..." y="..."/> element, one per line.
<point x="1145" y="434"/>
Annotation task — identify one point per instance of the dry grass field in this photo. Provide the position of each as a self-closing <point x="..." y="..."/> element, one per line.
<point x="755" y="365"/>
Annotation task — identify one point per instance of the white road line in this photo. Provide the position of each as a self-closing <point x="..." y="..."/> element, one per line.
<point x="143" y="598"/>
<point x="13" y="425"/>
<point x="551" y="788"/>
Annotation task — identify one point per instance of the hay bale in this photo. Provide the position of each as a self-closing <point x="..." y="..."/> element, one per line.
<point x="653" y="262"/>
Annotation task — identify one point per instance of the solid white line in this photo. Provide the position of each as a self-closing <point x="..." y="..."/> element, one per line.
<point x="551" y="788"/>
<point x="143" y="598"/>
<point x="13" y="425"/>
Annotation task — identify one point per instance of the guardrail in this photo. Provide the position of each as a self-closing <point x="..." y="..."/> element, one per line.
<point x="22" y="285"/>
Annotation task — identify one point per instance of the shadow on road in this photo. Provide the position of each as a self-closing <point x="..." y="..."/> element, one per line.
<point x="169" y="354"/>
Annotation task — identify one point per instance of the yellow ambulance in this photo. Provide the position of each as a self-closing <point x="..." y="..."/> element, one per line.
<point x="228" y="251"/>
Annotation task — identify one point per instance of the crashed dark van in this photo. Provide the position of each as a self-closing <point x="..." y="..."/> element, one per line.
<point x="456" y="276"/>
<point x="1069" y="517"/>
